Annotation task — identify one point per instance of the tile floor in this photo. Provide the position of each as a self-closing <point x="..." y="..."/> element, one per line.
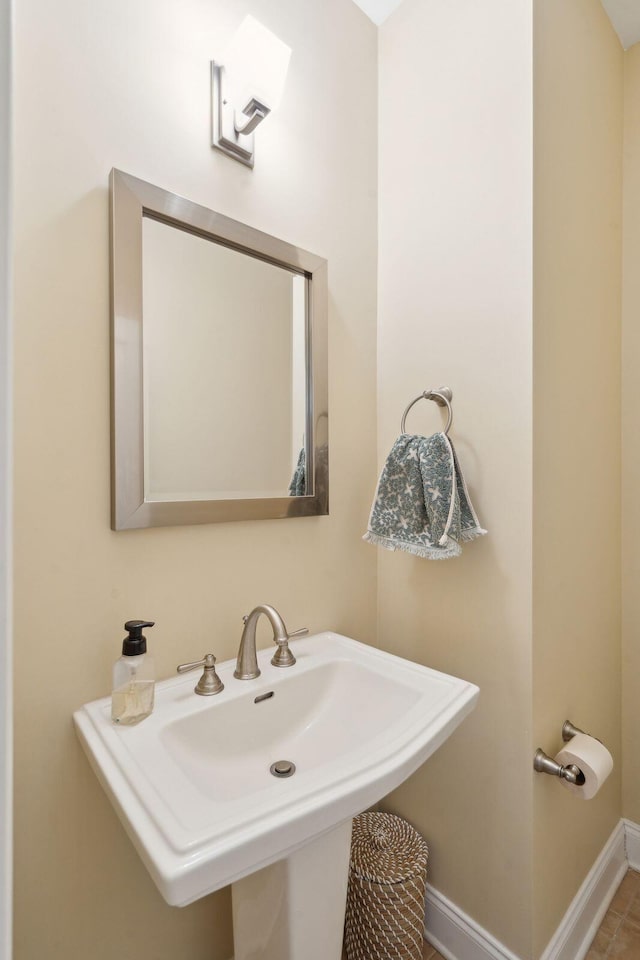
<point x="430" y="953"/>
<point x="619" y="935"/>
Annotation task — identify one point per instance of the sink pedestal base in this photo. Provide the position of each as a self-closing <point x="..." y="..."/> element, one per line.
<point x="294" y="909"/>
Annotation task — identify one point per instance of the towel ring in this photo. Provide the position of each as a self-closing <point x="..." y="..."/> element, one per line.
<point x="442" y="397"/>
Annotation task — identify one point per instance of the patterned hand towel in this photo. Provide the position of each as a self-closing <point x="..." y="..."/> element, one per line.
<point x="422" y="504"/>
<point x="298" y="485"/>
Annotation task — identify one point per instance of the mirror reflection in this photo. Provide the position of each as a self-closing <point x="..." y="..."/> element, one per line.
<point x="224" y="370"/>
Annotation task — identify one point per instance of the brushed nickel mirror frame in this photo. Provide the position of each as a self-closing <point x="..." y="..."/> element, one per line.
<point x="131" y="200"/>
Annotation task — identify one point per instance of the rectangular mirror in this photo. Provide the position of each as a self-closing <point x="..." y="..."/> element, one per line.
<point x="219" y="366"/>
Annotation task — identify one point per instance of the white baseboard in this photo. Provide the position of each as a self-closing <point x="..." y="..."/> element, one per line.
<point x="580" y="923"/>
<point x="632" y="840"/>
<point x="458" y="937"/>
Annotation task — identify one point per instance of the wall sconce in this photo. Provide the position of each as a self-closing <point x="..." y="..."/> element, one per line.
<point x="246" y="88"/>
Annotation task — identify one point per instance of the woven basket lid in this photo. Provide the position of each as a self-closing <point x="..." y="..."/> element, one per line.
<point x="386" y="849"/>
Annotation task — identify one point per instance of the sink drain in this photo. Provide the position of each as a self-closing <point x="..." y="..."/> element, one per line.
<point x="282" y="768"/>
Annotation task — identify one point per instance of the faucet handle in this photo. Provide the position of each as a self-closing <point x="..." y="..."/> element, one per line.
<point x="209" y="683"/>
<point x="184" y="667"/>
<point x="283" y="656"/>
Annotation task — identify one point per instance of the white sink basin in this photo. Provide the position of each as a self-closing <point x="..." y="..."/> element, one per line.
<point x="192" y="784"/>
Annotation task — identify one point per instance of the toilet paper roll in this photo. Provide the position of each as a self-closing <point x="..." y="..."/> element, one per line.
<point x="594" y="760"/>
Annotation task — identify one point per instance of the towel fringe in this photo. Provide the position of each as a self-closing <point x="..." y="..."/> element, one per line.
<point x="472" y="533"/>
<point x="451" y="550"/>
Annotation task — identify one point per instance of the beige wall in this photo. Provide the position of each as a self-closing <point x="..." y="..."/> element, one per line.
<point x="6" y="842"/>
<point x="455" y="309"/>
<point x="126" y="84"/>
<point x="631" y="436"/>
<point x="578" y="75"/>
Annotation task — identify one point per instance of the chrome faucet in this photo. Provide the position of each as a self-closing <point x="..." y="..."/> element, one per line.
<point x="247" y="663"/>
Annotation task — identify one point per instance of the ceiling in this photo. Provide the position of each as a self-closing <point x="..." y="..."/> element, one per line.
<point x="378" y="10"/>
<point x="624" y="15"/>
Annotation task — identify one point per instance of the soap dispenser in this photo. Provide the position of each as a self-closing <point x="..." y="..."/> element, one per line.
<point x="133" y="677"/>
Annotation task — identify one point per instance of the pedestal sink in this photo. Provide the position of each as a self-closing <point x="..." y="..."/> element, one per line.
<point x="193" y="786"/>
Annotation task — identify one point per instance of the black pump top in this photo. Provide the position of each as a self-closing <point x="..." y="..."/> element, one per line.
<point x="136" y="642"/>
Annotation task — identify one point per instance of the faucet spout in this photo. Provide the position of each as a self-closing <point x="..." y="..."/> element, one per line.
<point x="247" y="662"/>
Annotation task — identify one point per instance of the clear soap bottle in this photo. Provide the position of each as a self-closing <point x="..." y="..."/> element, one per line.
<point x="133" y="677"/>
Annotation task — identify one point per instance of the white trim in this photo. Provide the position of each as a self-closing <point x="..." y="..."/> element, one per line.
<point x="632" y="843"/>
<point x="580" y="923"/>
<point x="458" y="937"/>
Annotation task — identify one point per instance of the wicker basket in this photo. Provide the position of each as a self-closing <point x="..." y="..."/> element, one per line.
<point x="387" y="883"/>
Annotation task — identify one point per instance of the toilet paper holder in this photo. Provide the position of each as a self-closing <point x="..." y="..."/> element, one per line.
<point x="543" y="763"/>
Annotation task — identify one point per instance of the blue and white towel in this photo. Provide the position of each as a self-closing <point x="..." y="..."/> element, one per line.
<point x="422" y="505"/>
<point x="298" y="485"/>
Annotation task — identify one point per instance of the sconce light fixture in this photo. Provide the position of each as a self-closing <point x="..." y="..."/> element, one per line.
<point x="246" y="88"/>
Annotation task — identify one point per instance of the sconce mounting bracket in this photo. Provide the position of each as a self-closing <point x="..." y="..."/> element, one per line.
<point x="224" y="133"/>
